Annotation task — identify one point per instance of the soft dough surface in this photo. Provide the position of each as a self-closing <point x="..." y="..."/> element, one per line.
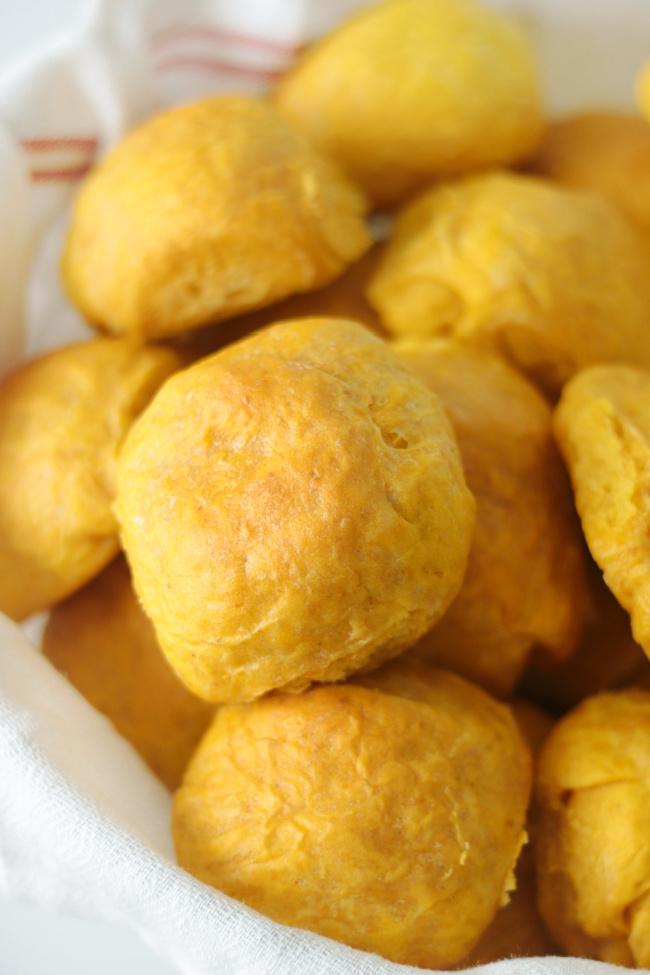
<point x="63" y="419"/>
<point x="205" y="212"/>
<point x="553" y="279"/>
<point x="410" y="90"/>
<point x="602" y="424"/>
<point x="293" y="509"/>
<point x="592" y="847"/>
<point x="387" y="816"/>
<point x="525" y="582"/>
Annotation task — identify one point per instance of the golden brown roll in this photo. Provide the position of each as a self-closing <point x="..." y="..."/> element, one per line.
<point x="553" y="279"/>
<point x="592" y="849"/>
<point x="205" y="212"/>
<point x="525" y="582"/>
<point x="106" y="647"/>
<point x="293" y="509"/>
<point x="387" y="813"/>
<point x="602" y="425"/>
<point x="63" y="418"/>
<point x="410" y="90"/>
<point x="607" y="153"/>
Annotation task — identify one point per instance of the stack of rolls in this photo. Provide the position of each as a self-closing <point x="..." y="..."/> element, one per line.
<point x="349" y="536"/>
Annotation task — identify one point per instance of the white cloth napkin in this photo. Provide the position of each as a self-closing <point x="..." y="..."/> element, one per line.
<point x="84" y="825"/>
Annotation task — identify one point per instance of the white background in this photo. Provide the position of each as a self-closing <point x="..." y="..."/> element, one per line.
<point x="34" y="941"/>
<point x="25" y="23"/>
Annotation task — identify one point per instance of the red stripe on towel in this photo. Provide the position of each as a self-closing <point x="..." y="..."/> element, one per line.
<point x="49" y="144"/>
<point x="59" y="175"/>
<point x="216" y="66"/>
<point x="188" y="32"/>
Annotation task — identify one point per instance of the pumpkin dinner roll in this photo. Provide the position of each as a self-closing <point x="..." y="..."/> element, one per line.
<point x="387" y="813"/>
<point x="602" y="424"/>
<point x="293" y="509"/>
<point x="525" y="583"/>
<point x="101" y="640"/>
<point x="205" y="212"/>
<point x="63" y="418"/>
<point x="607" y="153"/>
<point x="408" y="91"/>
<point x="551" y="278"/>
<point x="591" y="837"/>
